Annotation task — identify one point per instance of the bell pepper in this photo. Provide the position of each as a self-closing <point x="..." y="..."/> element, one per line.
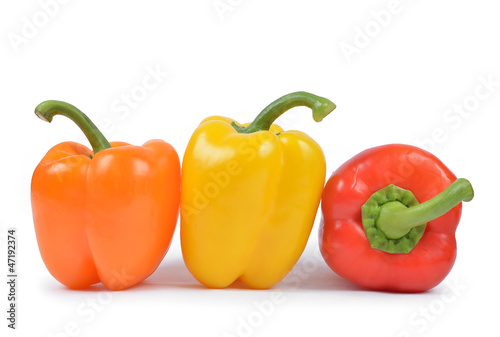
<point x="106" y="215"/>
<point x="250" y="195"/>
<point x="389" y="219"/>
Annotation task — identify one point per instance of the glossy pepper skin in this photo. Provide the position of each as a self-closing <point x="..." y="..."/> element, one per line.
<point x="106" y="215"/>
<point x="250" y="195"/>
<point x="347" y="226"/>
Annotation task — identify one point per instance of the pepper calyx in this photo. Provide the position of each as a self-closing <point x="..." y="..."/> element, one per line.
<point x="394" y="220"/>
<point x="394" y="197"/>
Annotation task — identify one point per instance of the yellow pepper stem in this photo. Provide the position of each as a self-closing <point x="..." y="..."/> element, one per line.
<point x="320" y="106"/>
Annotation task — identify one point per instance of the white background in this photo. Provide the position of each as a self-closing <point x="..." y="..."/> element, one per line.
<point x="398" y="77"/>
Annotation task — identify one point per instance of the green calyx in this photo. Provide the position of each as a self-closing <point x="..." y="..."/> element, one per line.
<point x="394" y="221"/>
<point x="320" y="106"/>
<point x="392" y="196"/>
<point x="47" y="109"/>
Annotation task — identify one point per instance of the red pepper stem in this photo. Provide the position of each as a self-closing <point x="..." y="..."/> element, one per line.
<point x="396" y="220"/>
<point x="320" y="106"/>
<point x="46" y="110"/>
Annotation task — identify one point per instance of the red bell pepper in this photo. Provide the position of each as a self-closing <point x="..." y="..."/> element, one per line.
<point x="389" y="219"/>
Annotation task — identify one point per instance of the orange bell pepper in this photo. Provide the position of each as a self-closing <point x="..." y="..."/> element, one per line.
<point x="106" y="215"/>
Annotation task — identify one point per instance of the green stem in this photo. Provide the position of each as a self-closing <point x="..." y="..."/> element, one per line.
<point x="320" y="106"/>
<point x="396" y="220"/>
<point x="46" y="110"/>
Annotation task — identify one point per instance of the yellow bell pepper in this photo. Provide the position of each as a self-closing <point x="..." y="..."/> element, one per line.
<point x="250" y="195"/>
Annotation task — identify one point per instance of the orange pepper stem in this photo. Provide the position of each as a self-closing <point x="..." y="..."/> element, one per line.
<point x="46" y="110"/>
<point x="320" y="106"/>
